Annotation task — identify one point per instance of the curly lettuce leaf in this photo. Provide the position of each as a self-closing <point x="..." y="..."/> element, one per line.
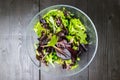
<point x="38" y="29"/>
<point x="50" y="60"/>
<point x="65" y="22"/>
<point x="54" y="12"/>
<point x="58" y="29"/>
<point x="49" y="17"/>
<point x="77" y="29"/>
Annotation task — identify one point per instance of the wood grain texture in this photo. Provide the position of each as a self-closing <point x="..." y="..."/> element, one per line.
<point x="15" y="16"/>
<point x="105" y="15"/>
<point x="14" y="61"/>
<point x="100" y="64"/>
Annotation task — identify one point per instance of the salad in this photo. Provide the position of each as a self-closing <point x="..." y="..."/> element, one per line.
<point x="62" y="39"/>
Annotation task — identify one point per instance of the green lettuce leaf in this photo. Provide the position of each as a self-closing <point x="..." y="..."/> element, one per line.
<point x="53" y="41"/>
<point x="49" y="17"/>
<point x="38" y="29"/>
<point x="50" y="60"/>
<point x="77" y="29"/>
<point x="55" y="12"/>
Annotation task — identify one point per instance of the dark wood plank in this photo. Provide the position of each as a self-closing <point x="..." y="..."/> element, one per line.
<point x="98" y="68"/>
<point x="105" y="14"/>
<point x="14" y="61"/>
<point x="81" y="4"/>
<point x="113" y="39"/>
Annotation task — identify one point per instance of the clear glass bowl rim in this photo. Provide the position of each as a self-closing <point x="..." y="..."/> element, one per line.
<point x="62" y="5"/>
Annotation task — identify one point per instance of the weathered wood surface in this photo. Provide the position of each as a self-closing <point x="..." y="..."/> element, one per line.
<point x="15" y="16"/>
<point x="14" y="61"/>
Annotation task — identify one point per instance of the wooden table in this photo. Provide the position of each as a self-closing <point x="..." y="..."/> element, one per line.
<point x="15" y="16"/>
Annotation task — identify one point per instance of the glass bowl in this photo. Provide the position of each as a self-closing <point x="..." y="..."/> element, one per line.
<point x="85" y="58"/>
